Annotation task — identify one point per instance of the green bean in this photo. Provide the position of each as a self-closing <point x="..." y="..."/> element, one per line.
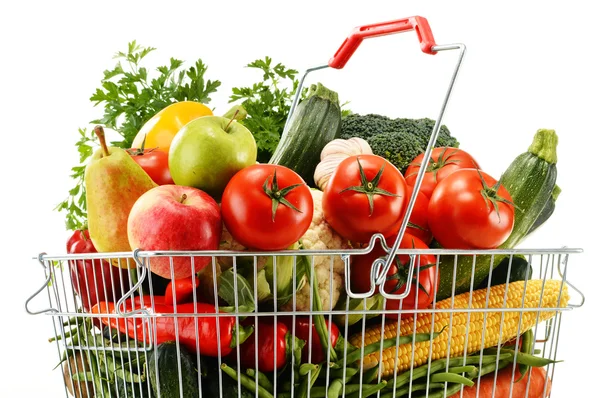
<point x="527" y="344"/>
<point x="440" y="364"/>
<point x="319" y="319"/>
<point x="307" y="367"/>
<point x="339" y="373"/>
<point x="528" y="359"/>
<point x="387" y="343"/>
<point x="262" y="379"/>
<point x="335" y="388"/>
<point x="246" y="382"/>
<point x="370" y="375"/>
<point x="400" y="392"/>
<point x="450" y="378"/>
<point x="307" y="384"/>
<point x="452" y="389"/>
<point x="462" y="369"/>
<point x="369" y="389"/>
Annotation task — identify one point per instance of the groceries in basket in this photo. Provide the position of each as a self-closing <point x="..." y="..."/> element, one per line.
<point x="262" y="243"/>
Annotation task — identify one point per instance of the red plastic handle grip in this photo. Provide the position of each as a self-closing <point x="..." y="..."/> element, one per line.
<point x="349" y="46"/>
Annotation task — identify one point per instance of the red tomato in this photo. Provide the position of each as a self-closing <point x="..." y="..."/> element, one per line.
<point x="467" y="211"/>
<point x="443" y="162"/>
<point x="420" y="295"/>
<point x="271" y="350"/>
<point x="155" y="163"/>
<point x="267" y="207"/>
<point x="418" y="225"/>
<point x="365" y="195"/>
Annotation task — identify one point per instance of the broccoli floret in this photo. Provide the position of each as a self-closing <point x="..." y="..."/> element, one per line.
<point x="365" y="126"/>
<point x="399" y="147"/>
<point x="422" y="128"/>
<point x="398" y="140"/>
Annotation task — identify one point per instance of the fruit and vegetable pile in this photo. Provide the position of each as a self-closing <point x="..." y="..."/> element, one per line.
<point x="184" y="179"/>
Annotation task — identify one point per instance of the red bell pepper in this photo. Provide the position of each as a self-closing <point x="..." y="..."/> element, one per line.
<point x="94" y="280"/>
<point x="190" y="330"/>
<point x="184" y="289"/>
<point x="303" y="331"/>
<point x="272" y="340"/>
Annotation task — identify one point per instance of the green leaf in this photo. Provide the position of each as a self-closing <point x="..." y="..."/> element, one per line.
<point x="227" y="290"/>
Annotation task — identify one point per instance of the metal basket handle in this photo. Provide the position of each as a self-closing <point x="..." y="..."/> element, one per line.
<point x="341" y="57"/>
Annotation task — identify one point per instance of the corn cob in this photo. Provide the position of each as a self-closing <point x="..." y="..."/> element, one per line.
<point x="463" y="327"/>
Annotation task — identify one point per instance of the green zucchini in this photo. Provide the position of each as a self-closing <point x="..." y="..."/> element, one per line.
<point x="547" y="210"/>
<point x="509" y="270"/>
<point x="163" y="368"/>
<point x="529" y="179"/>
<point x="316" y="121"/>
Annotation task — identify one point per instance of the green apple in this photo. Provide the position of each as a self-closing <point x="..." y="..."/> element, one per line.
<point x="208" y="151"/>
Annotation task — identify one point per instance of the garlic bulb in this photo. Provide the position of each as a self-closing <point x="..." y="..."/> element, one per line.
<point x="332" y="155"/>
<point x="352" y="146"/>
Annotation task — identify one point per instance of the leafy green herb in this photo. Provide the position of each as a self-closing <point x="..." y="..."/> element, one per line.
<point x="267" y="103"/>
<point x="129" y="97"/>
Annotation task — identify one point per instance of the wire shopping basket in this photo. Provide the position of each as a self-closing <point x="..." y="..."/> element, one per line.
<point x="131" y="333"/>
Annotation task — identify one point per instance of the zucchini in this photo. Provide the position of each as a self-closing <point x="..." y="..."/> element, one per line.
<point x="547" y="210"/>
<point x="529" y="179"/>
<point x="520" y="270"/>
<point x="316" y="121"/>
<point x="163" y="368"/>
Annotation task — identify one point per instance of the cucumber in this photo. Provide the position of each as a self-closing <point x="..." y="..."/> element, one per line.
<point x="316" y="121"/>
<point x="165" y="360"/>
<point x="529" y="179"/>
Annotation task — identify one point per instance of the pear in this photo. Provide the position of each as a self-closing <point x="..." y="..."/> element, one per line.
<point x="113" y="183"/>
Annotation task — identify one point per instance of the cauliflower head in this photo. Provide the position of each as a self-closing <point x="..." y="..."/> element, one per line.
<point x="320" y="236"/>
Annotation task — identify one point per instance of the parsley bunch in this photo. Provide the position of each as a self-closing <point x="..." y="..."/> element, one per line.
<point x="268" y="103"/>
<point x="129" y="98"/>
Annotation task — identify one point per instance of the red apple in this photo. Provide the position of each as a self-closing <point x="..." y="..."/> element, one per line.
<point x="173" y="217"/>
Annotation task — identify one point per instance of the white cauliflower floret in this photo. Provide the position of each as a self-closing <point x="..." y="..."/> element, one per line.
<point x="320" y="236"/>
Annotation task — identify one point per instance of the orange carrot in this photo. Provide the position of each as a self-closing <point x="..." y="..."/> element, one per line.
<point x="536" y="378"/>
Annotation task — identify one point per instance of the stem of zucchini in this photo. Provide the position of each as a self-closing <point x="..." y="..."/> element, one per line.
<point x="544" y="145"/>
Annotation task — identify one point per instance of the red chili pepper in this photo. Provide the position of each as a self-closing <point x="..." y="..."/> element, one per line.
<point x="94" y="280"/>
<point x="303" y="331"/>
<point x="184" y="289"/>
<point x="190" y="330"/>
<point x="271" y="339"/>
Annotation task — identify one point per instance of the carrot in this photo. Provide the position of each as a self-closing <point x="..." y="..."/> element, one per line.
<point x="536" y="378"/>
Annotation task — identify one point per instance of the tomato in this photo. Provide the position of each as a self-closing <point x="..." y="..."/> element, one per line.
<point x="420" y="295"/>
<point x="443" y="162"/>
<point x="365" y="195"/>
<point x="470" y="210"/>
<point x="154" y="162"/>
<point x="267" y="207"/>
<point x="162" y="127"/>
<point x="418" y="225"/>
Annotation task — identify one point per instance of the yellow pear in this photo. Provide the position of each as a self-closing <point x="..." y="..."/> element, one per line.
<point x="113" y="182"/>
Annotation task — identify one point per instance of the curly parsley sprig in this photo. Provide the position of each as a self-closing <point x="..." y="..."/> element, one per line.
<point x="129" y="98"/>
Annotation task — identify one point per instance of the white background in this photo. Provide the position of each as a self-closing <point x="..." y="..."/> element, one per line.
<point x="528" y="65"/>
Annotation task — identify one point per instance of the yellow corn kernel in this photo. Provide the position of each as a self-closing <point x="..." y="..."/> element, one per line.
<point x="486" y="328"/>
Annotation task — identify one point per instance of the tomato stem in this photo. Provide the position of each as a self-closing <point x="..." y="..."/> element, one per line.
<point x="100" y="134"/>
<point x="491" y="194"/>
<point x="369" y="188"/>
<point x="278" y="195"/>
